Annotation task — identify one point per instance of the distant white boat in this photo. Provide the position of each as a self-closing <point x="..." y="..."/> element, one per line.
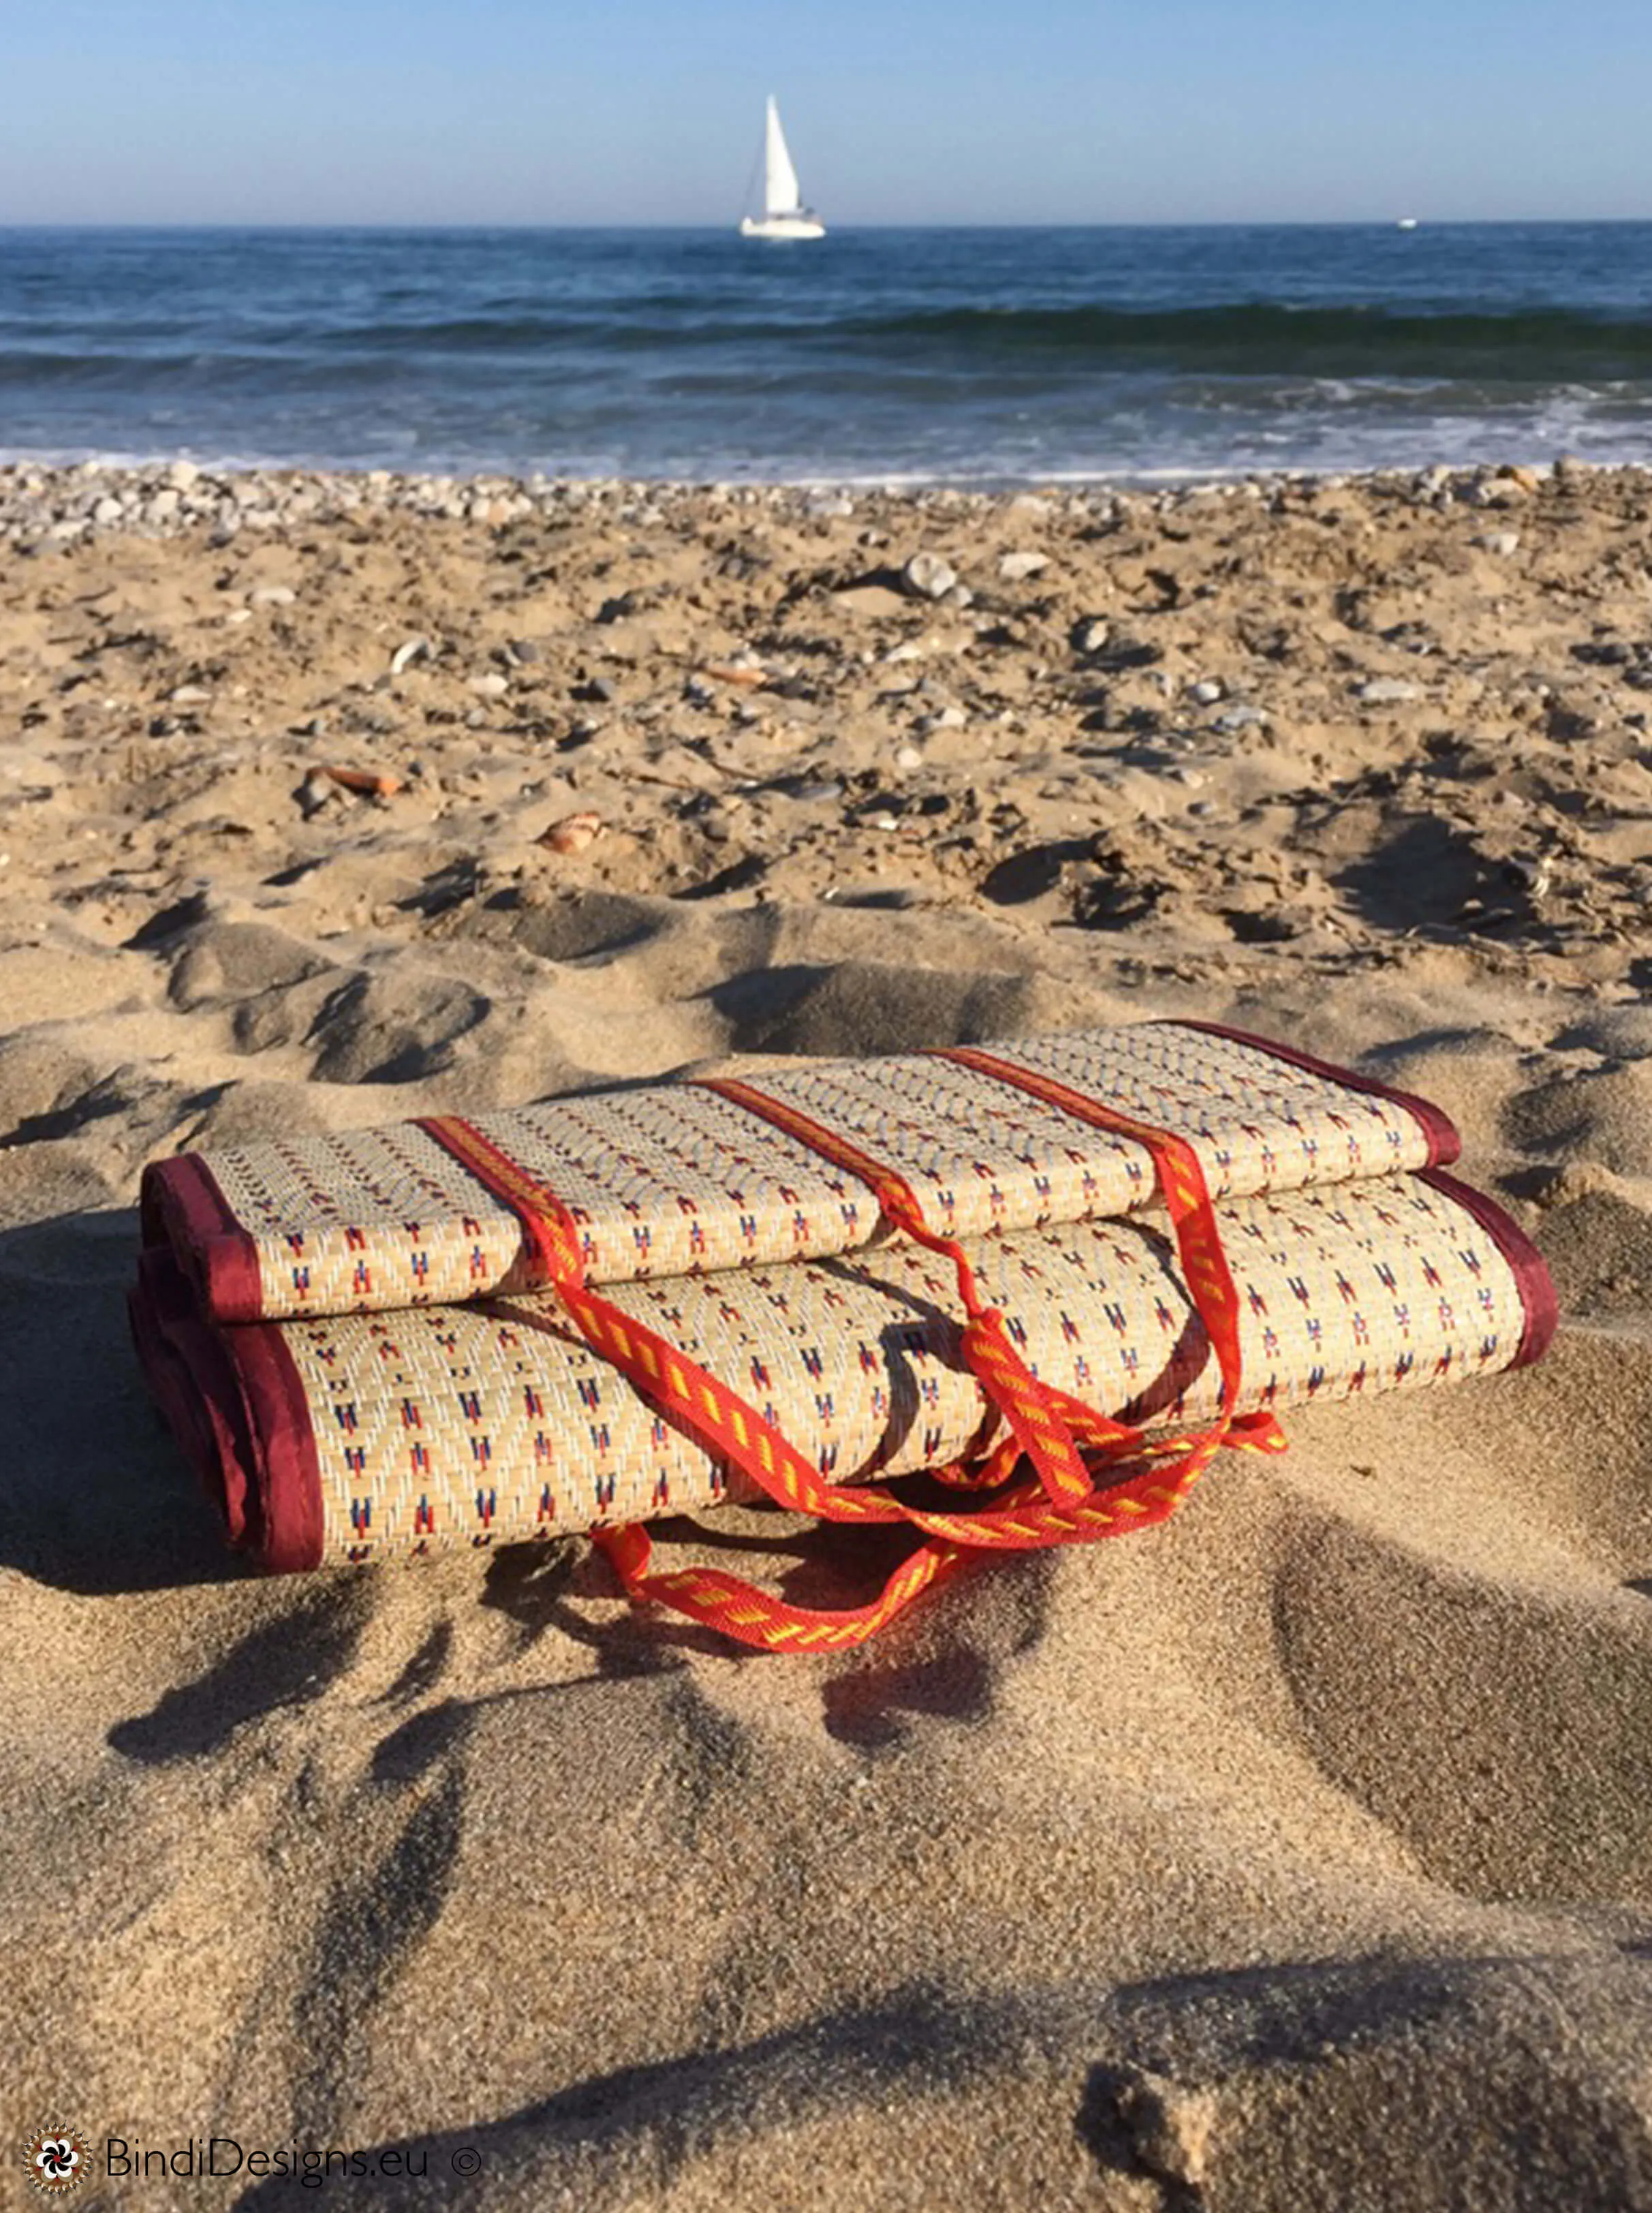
<point x="783" y="213"/>
<point x="1407" y="223"/>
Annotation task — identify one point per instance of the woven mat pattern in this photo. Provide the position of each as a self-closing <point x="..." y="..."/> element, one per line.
<point x="672" y="1179"/>
<point x="490" y="1422"/>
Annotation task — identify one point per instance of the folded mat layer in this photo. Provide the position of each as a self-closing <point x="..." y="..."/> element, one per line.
<point x="678" y="1179"/>
<point x="355" y="1436"/>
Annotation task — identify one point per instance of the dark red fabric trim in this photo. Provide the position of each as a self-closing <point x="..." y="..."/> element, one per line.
<point x="1445" y="1145"/>
<point x="192" y="1385"/>
<point x="233" y="1400"/>
<point x="179" y="1204"/>
<point x="1530" y="1271"/>
<point x="290" y="1471"/>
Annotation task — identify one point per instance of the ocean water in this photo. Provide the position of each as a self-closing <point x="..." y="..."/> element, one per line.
<point x="977" y="356"/>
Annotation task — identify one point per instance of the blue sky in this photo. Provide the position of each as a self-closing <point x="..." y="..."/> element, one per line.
<point x="905" y="110"/>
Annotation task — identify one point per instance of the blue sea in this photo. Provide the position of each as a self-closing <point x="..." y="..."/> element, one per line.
<point x="971" y="357"/>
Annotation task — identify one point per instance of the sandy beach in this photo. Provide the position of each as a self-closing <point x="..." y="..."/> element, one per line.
<point x="1297" y="1855"/>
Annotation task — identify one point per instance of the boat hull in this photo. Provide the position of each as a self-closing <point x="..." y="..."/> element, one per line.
<point x="782" y="225"/>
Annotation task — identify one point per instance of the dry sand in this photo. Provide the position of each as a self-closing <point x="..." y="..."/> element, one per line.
<point x="1297" y="1856"/>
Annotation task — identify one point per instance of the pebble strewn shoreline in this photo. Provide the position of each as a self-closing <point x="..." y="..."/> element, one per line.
<point x="69" y="503"/>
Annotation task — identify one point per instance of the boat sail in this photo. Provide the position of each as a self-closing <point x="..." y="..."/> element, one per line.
<point x="783" y="213"/>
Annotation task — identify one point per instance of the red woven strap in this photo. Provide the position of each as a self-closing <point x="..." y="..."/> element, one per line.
<point x="729" y="1427"/>
<point x="752" y="1616"/>
<point x="1182" y="1187"/>
<point x="1050" y="1426"/>
<point x="1011" y="1388"/>
<point x="727" y="1424"/>
<point x="1025" y="1518"/>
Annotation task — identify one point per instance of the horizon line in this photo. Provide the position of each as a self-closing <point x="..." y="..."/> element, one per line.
<point x="721" y="228"/>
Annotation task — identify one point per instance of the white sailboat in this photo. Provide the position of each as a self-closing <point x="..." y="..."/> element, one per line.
<point x="783" y="213"/>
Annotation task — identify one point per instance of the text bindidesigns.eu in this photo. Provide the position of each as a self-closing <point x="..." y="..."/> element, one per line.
<point x="311" y="2165"/>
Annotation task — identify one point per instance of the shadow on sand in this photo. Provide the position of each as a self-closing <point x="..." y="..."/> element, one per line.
<point x="94" y="1495"/>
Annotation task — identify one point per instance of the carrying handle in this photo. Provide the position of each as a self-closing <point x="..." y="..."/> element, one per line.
<point x="753" y="1616"/>
<point x="1068" y="1504"/>
<point x="1051" y="1426"/>
<point x="1011" y="1389"/>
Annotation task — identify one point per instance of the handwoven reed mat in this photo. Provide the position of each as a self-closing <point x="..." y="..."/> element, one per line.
<point x="350" y="1437"/>
<point x="673" y="1179"/>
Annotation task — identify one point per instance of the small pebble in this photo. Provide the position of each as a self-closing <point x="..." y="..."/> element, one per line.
<point x="490" y="686"/>
<point x="927" y="577"/>
<point x="573" y="833"/>
<point x="1206" y="693"/>
<point x="1388" y="691"/>
<point x="1017" y="568"/>
<point x="1501" y="542"/>
<point x="318" y="790"/>
<point x="415" y="649"/>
